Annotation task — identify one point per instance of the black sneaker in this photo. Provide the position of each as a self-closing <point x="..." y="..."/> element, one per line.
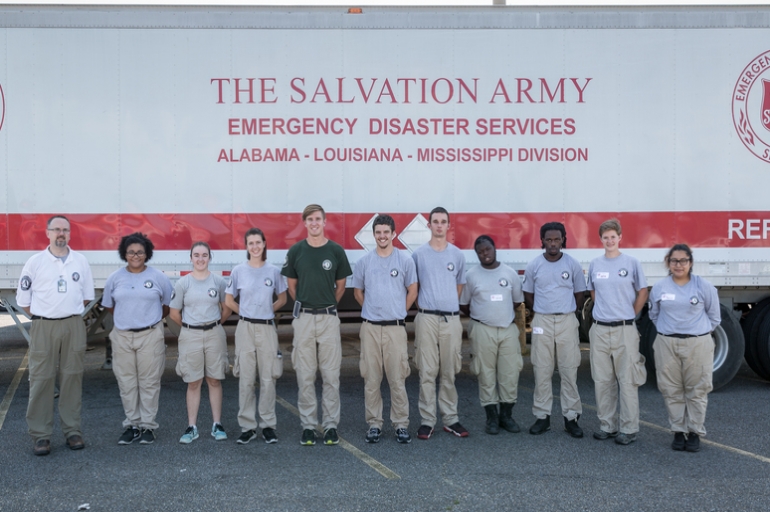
<point x="541" y="426"/>
<point x="402" y="436"/>
<point x="678" y="443"/>
<point x="601" y="435"/>
<point x="330" y="436"/>
<point x="373" y="435"/>
<point x="424" y="432"/>
<point x="247" y="436"/>
<point x="308" y="437"/>
<point x="693" y="442"/>
<point x="148" y="436"/>
<point x="129" y="435"/>
<point x="268" y="434"/>
<point x="457" y="430"/>
<point x="572" y="427"/>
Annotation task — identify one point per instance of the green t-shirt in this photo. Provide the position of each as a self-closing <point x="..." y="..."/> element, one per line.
<point x="316" y="270"/>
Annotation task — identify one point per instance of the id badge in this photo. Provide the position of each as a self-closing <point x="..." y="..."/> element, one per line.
<point x="297" y="309"/>
<point x="62" y="286"/>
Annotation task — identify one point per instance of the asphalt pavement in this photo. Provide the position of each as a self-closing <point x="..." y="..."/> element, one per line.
<point x="478" y="473"/>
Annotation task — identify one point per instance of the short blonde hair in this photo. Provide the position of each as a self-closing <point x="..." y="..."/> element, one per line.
<point x="311" y="209"/>
<point x="610" y="225"/>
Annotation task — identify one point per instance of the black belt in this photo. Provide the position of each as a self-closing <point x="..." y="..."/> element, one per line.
<point x="438" y="313"/>
<point x="331" y="310"/>
<point x="615" y="324"/>
<point x="387" y="322"/>
<point x="685" y="336"/>
<point x="557" y="314"/>
<point x="256" y="320"/>
<point x="206" y="327"/>
<point x="36" y="317"/>
<point x="142" y="328"/>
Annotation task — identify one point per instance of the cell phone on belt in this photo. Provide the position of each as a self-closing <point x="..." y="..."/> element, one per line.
<point x="297" y="309"/>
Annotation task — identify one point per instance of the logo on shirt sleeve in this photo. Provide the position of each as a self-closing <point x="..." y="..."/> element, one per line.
<point x="213" y="292"/>
<point x="623" y="272"/>
<point x="286" y="261"/>
<point x="173" y="294"/>
<point x="148" y="284"/>
<point x="450" y="266"/>
<point x="26" y="283"/>
<point x="394" y="272"/>
<point x="268" y="282"/>
<point x="503" y="282"/>
<point x="694" y="300"/>
<point x="327" y="265"/>
<point x="75" y="277"/>
<point x="565" y="275"/>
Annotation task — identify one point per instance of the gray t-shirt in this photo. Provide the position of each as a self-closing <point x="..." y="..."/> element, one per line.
<point x="384" y="282"/>
<point x="689" y="309"/>
<point x="615" y="282"/>
<point x="554" y="284"/>
<point x="491" y="294"/>
<point x="138" y="299"/>
<point x="199" y="300"/>
<point x="256" y="287"/>
<point x="439" y="274"/>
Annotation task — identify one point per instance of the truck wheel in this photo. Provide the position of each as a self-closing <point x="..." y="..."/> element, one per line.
<point x="729" y="348"/>
<point x="762" y="347"/>
<point x="751" y="325"/>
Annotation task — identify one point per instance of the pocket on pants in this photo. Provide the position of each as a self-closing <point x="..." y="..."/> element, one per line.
<point x="237" y="365"/>
<point x="278" y="365"/>
<point x="475" y="365"/>
<point x="639" y="372"/>
<point x="458" y="361"/>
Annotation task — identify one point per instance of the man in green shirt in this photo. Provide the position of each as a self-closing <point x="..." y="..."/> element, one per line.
<point x="316" y="269"/>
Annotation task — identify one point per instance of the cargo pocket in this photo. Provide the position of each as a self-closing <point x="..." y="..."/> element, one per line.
<point x="237" y="364"/>
<point x="639" y="372"/>
<point x="278" y="365"/>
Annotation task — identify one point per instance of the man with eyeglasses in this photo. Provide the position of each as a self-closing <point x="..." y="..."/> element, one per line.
<point x="54" y="287"/>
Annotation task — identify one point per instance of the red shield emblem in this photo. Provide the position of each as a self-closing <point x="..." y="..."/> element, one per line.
<point x="765" y="113"/>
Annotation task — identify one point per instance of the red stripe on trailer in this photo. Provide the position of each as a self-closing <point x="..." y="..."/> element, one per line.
<point x="224" y="231"/>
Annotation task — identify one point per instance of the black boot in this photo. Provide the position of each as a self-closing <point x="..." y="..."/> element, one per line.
<point x="506" y="421"/>
<point x="492" y="419"/>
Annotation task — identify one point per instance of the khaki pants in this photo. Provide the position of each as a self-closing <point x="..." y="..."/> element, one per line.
<point x="256" y="349"/>
<point x="384" y="345"/>
<point x="497" y="362"/>
<point x="138" y="361"/>
<point x="617" y="365"/>
<point x="317" y="345"/>
<point x="558" y="341"/>
<point x="684" y="368"/>
<point x="55" y="344"/>
<point x="438" y="341"/>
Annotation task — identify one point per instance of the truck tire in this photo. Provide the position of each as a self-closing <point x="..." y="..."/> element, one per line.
<point x="751" y="325"/>
<point x="729" y="347"/>
<point x="762" y="346"/>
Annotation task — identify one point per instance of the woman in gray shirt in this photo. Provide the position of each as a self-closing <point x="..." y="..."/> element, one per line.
<point x="685" y="310"/>
<point x="199" y="307"/>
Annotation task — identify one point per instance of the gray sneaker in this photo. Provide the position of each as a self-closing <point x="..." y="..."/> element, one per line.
<point x="625" y="439"/>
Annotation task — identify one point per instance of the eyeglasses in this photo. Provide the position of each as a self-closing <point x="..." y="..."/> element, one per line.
<point x="131" y="254"/>
<point x="59" y="231"/>
<point x="683" y="262"/>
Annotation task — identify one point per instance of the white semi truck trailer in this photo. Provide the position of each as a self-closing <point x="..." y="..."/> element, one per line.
<point x="197" y="123"/>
